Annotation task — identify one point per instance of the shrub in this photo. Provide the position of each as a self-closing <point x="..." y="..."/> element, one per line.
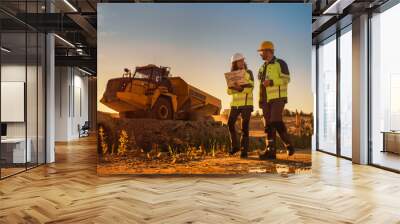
<point x="123" y="140"/>
<point x="102" y="140"/>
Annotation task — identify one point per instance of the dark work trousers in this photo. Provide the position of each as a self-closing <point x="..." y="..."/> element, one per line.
<point x="245" y="113"/>
<point x="273" y="117"/>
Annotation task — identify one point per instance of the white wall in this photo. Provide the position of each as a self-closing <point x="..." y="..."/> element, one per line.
<point x="80" y="111"/>
<point x="16" y="73"/>
<point x="10" y="73"/>
<point x="71" y="102"/>
<point x="33" y="127"/>
<point x="61" y="104"/>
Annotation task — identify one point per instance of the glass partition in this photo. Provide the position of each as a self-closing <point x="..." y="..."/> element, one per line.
<point x="385" y="89"/>
<point x="327" y="95"/>
<point x="13" y="86"/>
<point x="22" y="77"/>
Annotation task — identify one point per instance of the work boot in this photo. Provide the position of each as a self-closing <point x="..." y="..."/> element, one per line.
<point x="290" y="150"/>
<point x="233" y="151"/>
<point x="270" y="153"/>
<point x="243" y="154"/>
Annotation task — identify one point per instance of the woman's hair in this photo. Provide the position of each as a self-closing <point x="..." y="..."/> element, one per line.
<point x="234" y="66"/>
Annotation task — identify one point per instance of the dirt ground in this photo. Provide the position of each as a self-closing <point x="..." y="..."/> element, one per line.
<point x="284" y="165"/>
<point x="186" y="147"/>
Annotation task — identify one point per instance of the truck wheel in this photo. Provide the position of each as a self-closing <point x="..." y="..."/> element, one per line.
<point x="162" y="109"/>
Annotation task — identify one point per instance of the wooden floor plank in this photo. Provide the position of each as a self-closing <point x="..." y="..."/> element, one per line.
<point x="69" y="191"/>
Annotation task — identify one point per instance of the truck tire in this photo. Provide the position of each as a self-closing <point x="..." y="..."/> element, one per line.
<point x="162" y="109"/>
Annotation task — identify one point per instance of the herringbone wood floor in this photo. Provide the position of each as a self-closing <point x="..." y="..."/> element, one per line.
<point x="69" y="191"/>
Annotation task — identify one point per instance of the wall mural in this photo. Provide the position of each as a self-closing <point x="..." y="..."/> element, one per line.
<point x="215" y="88"/>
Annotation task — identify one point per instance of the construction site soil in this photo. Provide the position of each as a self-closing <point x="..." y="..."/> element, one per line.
<point x="149" y="146"/>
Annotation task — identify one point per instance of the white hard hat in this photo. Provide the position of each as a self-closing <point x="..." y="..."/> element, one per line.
<point x="237" y="57"/>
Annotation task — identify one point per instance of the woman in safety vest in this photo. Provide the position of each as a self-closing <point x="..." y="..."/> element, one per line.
<point x="241" y="104"/>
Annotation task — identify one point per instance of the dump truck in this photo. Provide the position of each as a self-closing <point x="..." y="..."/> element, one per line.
<point x="151" y="91"/>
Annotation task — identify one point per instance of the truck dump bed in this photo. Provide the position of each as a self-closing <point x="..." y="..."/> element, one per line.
<point x="201" y="102"/>
<point x="114" y="98"/>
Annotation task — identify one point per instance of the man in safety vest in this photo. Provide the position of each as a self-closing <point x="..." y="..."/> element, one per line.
<point x="274" y="79"/>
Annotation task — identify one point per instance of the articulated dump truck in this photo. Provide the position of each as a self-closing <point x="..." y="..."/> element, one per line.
<point x="151" y="91"/>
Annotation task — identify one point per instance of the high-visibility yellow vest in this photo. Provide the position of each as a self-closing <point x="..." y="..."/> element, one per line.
<point x="277" y="71"/>
<point x="244" y="98"/>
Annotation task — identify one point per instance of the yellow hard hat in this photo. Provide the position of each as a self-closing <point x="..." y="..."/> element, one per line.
<point x="266" y="45"/>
